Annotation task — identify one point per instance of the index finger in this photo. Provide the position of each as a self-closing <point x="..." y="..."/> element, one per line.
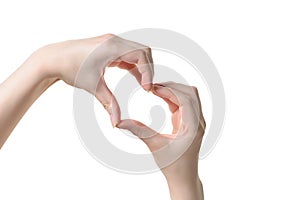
<point x="187" y="104"/>
<point x="142" y="58"/>
<point x="146" y="69"/>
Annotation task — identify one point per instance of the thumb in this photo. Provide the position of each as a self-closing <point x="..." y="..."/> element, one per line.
<point x="109" y="102"/>
<point x="146" y="134"/>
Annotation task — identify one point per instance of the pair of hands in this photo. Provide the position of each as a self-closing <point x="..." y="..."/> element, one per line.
<point x="177" y="153"/>
<point x="67" y="61"/>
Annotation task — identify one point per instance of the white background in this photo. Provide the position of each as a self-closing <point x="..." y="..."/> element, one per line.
<point x="255" y="46"/>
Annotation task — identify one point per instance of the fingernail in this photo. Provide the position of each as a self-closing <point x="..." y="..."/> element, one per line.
<point x="147" y="88"/>
<point x="160" y="85"/>
<point x="113" y="122"/>
<point x="108" y="108"/>
<point x="157" y="87"/>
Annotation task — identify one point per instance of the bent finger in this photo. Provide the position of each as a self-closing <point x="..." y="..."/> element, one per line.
<point x="146" y="134"/>
<point x="109" y="102"/>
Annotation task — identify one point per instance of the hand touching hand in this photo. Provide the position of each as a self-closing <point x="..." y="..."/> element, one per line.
<point x="81" y="63"/>
<point x="176" y="154"/>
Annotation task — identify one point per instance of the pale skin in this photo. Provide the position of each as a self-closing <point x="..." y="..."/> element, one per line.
<point x="183" y="144"/>
<point x="64" y="60"/>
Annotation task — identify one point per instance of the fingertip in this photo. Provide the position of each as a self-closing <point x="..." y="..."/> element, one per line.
<point x="156" y="88"/>
<point x="123" y="124"/>
<point x="147" y="87"/>
<point x="115" y="120"/>
<point x="147" y="81"/>
<point x="158" y="85"/>
<point x="116" y="112"/>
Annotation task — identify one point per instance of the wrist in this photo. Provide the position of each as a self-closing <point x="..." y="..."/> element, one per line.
<point x="39" y="71"/>
<point x="188" y="189"/>
<point x="38" y="63"/>
<point x="184" y="168"/>
<point x="183" y="180"/>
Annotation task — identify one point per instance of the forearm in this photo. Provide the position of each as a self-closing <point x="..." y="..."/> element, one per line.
<point x="185" y="189"/>
<point x="18" y="92"/>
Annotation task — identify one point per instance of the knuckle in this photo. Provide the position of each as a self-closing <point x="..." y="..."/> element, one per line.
<point x="195" y="90"/>
<point x="108" y="35"/>
<point x="202" y="124"/>
<point x="148" y="50"/>
<point x="107" y="38"/>
<point x="109" y="43"/>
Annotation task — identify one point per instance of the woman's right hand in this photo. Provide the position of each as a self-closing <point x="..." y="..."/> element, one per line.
<point x="177" y="153"/>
